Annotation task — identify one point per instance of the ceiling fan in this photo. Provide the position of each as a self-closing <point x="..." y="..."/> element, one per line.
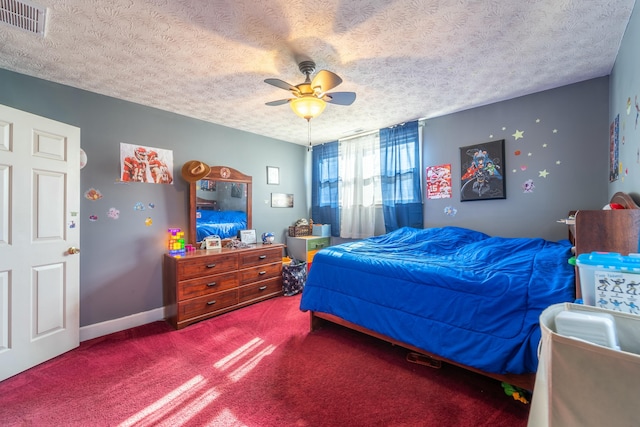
<point x="311" y="96"/>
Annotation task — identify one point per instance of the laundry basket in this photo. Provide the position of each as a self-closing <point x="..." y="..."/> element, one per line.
<point x="583" y="384"/>
<point x="294" y="276"/>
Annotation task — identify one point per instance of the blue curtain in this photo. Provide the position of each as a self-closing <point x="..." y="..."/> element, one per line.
<point x="325" y="207"/>
<point x="400" y="176"/>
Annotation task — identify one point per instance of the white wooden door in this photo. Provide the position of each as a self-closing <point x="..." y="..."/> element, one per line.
<point x="39" y="222"/>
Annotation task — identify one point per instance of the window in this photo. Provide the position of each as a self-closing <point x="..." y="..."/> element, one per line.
<point x="358" y="181"/>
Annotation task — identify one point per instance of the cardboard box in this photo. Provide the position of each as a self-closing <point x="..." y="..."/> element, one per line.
<point x="322" y="230"/>
<point x="610" y="280"/>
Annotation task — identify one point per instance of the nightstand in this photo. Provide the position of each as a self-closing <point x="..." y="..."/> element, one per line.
<point x="304" y="248"/>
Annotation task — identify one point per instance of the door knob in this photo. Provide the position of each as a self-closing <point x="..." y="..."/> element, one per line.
<point x="73" y="251"/>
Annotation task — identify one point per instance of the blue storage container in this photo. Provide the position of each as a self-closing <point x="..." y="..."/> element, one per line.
<point x="610" y="280"/>
<point x="322" y="230"/>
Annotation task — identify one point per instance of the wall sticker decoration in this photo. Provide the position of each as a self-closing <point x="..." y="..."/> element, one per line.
<point x="92" y="194"/>
<point x="481" y="171"/>
<point x="113" y="213"/>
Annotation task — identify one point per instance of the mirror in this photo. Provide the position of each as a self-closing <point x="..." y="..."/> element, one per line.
<point x="219" y="204"/>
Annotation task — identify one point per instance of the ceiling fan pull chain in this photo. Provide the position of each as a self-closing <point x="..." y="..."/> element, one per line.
<point x="309" y="148"/>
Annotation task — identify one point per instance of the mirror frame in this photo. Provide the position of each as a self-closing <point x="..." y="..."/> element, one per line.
<point x="218" y="173"/>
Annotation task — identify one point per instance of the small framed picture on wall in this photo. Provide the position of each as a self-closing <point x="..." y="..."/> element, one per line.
<point x="273" y="175"/>
<point x="281" y="200"/>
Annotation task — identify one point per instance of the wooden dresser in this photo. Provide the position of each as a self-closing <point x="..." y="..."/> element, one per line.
<point x="211" y="282"/>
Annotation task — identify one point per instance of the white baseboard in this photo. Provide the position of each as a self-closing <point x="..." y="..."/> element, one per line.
<point x="110" y="326"/>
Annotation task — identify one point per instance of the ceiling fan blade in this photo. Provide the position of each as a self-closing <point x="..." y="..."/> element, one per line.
<point x="282" y="85"/>
<point x="340" y="98"/>
<point x="325" y="80"/>
<point x="278" y="102"/>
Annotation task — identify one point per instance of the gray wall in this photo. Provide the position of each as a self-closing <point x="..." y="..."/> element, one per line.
<point x="625" y="87"/>
<point x="579" y="114"/>
<point x="120" y="267"/>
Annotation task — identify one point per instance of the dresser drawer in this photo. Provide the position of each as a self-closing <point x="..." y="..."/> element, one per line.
<point x="261" y="272"/>
<point x="263" y="256"/>
<point x="207" y="304"/>
<point x="317" y="243"/>
<point x="206" y="266"/>
<point x="262" y="289"/>
<point x="206" y="285"/>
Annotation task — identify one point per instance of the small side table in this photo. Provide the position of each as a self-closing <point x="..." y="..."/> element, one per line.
<point x="304" y="248"/>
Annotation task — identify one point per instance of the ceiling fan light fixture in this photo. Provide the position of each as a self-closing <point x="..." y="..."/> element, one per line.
<point x="308" y="107"/>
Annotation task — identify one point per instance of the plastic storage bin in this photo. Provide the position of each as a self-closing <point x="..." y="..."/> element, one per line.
<point x="322" y="230"/>
<point x="610" y="280"/>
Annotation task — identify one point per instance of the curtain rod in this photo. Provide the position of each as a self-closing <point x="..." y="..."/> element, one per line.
<point x="421" y="123"/>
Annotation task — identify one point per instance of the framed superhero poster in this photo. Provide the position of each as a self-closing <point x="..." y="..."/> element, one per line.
<point x="482" y="171"/>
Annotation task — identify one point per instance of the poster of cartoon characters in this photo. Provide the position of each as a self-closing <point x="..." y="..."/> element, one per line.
<point x="439" y="182"/>
<point x="145" y="164"/>
<point x="482" y="171"/>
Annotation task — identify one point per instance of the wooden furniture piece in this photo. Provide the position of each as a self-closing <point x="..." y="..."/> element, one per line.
<point x="207" y="283"/>
<point x="616" y="230"/>
<point x="601" y="230"/>
<point x="304" y="248"/>
<point x="238" y="200"/>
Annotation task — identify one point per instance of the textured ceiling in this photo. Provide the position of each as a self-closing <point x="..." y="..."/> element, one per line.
<point x="405" y="59"/>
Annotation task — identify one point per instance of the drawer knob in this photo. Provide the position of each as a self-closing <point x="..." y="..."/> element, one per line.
<point x="211" y="284"/>
<point x="262" y="288"/>
<point x="211" y="265"/>
<point x="262" y="272"/>
<point x="211" y="302"/>
<point x="262" y="256"/>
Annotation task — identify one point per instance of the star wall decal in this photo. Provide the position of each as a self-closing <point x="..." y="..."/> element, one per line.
<point x="519" y="134"/>
<point x="543" y="173"/>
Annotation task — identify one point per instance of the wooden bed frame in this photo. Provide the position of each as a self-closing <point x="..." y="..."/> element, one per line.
<point x="615" y="230"/>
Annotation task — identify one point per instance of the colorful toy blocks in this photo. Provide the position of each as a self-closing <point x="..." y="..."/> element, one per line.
<point x="176" y="242"/>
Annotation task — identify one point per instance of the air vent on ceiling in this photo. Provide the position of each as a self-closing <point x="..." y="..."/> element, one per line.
<point x="24" y="15"/>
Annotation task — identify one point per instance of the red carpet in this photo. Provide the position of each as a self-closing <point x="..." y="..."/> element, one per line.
<point x="258" y="367"/>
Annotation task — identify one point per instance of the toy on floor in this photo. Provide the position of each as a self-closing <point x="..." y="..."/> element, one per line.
<point x="516" y="392"/>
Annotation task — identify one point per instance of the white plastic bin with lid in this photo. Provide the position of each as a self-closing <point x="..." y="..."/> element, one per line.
<point x="610" y="280"/>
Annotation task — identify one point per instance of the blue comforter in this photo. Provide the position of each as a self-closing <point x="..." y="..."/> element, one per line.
<point x="454" y="292"/>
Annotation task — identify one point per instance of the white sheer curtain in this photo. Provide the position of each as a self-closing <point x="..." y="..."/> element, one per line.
<point x="360" y="190"/>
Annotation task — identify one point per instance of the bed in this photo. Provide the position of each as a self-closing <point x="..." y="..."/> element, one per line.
<point x="457" y="295"/>
<point x="224" y="224"/>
